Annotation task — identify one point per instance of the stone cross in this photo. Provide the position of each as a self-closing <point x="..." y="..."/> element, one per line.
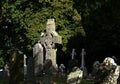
<point x="83" y="53"/>
<point x="49" y="39"/>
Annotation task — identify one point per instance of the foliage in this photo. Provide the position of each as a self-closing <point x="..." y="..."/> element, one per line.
<point x="28" y="18"/>
<point x="93" y="24"/>
<point x="1" y="62"/>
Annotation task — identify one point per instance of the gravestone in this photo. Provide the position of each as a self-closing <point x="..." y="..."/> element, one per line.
<point x="73" y="53"/>
<point x="83" y="68"/>
<point x="30" y="78"/>
<point x="25" y="65"/>
<point x="62" y="67"/>
<point x="107" y="72"/>
<point x="75" y="76"/>
<point x="62" y="70"/>
<point x="38" y="58"/>
<point x="48" y="70"/>
<point x="49" y="40"/>
<point x="94" y="67"/>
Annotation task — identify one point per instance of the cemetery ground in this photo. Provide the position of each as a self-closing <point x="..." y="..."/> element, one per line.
<point x="60" y="80"/>
<point x="4" y="80"/>
<point x="56" y="80"/>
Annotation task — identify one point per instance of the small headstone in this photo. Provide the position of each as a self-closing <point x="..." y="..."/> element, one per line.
<point x="107" y="72"/>
<point x="75" y="76"/>
<point x="94" y="67"/>
<point x="62" y="67"/>
<point x="73" y="53"/>
<point x="62" y="70"/>
<point x="30" y="71"/>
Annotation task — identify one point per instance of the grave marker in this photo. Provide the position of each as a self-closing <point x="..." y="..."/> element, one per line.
<point x="49" y="41"/>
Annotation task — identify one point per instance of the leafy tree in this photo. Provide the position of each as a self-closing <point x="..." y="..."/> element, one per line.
<point x="29" y="19"/>
<point x="100" y="20"/>
<point x="22" y="21"/>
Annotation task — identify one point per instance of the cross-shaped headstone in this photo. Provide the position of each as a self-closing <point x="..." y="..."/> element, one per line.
<point x="49" y="39"/>
<point x="83" y="53"/>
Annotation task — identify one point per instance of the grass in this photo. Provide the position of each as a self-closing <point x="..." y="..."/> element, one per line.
<point x="87" y="82"/>
<point x="59" y="80"/>
<point x="4" y="80"/>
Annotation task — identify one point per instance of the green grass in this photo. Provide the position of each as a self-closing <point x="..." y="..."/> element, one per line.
<point x="87" y="82"/>
<point x="59" y="80"/>
<point x="4" y="80"/>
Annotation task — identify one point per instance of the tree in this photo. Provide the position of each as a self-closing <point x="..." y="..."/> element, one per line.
<point x="100" y="20"/>
<point x="22" y="21"/>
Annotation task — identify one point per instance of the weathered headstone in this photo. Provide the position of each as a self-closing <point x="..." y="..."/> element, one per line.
<point x="94" y="67"/>
<point x="73" y="53"/>
<point x="107" y="72"/>
<point x="38" y="58"/>
<point x="49" y="39"/>
<point x="30" y="79"/>
<point x="62" y="67"/>
<point x="62" y="70"/>
<point x="75" y="76"/>
<point x="48" y="71"/>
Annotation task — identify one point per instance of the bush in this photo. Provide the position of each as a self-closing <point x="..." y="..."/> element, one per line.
<point x="1" y="62"/>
